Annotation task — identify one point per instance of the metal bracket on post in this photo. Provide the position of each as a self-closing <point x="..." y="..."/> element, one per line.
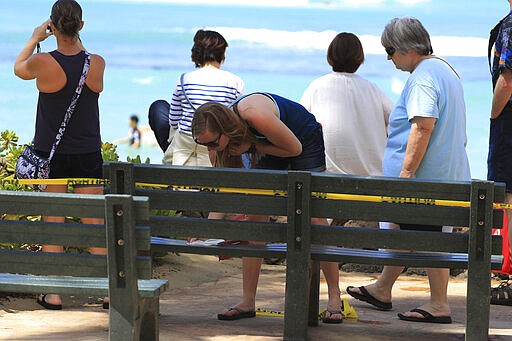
<point x="298" y="256"/>
<point x="298" y="231"/>
<point x="119" y="249"/>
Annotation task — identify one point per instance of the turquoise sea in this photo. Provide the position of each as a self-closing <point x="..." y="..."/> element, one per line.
<point x="276" y="46"/>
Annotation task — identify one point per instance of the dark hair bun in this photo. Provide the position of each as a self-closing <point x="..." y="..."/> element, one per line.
<point x="69" y="26"/>
<point x="209" y="46"/>
<point x="199" y="36"/>
<point x="67" y="17"/>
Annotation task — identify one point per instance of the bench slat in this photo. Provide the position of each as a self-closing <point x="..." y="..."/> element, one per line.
<point x="353" y="237"/>
<point x="227" y="229"/>
<point x="363" y="237"/>
<point x="71" y="234"/>
<point x="382" y="186"/>
<point x="73" y="285"/>
<point x="62" y="204"/>
<point x="413" y="259"/>
<point x="215" y="177"/>
<point x="399" y="213"/>
<point x="214" y="202"/>
<point x="174" y="245"/>
<point x="67" y="264"/>
<point x="46" y="203"/>
<point x="325" y="253"/>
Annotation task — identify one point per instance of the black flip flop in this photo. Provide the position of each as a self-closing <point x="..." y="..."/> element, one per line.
<point x="365" y="296"/>
<point x="42" y="302"/>
<point x="240" y="315"/>
<point x="427" y="317"/>
<point x="331" y="320"/>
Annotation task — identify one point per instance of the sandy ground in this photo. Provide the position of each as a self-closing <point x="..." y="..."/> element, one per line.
<point x="201" y="286"/>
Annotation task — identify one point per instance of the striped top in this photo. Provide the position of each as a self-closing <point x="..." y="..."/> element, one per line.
<point x="207" y="84"/>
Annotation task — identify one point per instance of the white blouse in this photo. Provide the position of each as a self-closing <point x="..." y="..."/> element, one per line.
<point x="354" y="114"/>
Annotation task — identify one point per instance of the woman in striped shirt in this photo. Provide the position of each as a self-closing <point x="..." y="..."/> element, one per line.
<point x="208" y="83"/>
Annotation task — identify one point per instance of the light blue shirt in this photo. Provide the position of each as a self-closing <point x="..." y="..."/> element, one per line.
<point x="432" y="90"/>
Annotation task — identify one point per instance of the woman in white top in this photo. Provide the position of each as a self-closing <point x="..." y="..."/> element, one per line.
<point x="353" y="112"/>
<point x="208" y="83"/>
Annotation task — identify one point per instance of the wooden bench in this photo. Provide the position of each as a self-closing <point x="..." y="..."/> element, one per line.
<point x="134" y="297"/>
<point x="216" y="190"/>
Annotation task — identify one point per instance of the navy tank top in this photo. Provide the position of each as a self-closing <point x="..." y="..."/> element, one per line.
<point x="298" y="119"/>
<point x="82" y="134"/>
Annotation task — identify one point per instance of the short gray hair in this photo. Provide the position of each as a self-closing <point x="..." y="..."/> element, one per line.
<point x="406" y="34"/>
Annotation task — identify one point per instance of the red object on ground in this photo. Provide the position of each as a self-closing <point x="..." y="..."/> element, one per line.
<point x="507" y="264"/>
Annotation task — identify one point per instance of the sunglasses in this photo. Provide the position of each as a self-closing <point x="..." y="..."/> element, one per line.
<point x="390" y="51"/>
<point x="211" y="144"/>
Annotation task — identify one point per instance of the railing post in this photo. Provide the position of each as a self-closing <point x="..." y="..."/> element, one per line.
<point x="479" y="264"/>
<point x="314" y="293"/>
<point x="121" y="178"/>
<point x="124" y="311"/>
<point x="298" y="256"/>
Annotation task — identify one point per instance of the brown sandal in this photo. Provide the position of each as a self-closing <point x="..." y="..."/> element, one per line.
<point x="502" y="294"/>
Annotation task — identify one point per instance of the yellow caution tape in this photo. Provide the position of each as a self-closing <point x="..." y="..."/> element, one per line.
<point x="267" y="192"/>
<point x="393" y="200"/>
<point x="269" y="313"/>
<point x="77" y="181"/>
<point x="347" y="311"/>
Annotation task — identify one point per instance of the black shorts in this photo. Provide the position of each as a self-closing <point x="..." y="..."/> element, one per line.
<point x="499" y="160"/>
<point x="311" y="159"/>
<point x="64" y="166"/>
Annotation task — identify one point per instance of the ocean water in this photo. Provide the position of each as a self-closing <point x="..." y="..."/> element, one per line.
<point x="277" y="46"/>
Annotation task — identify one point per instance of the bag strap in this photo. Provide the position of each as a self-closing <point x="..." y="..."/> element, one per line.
<point x="493" y="35"/>
<point x="451" y="67"/>
<point x="185" y="93"/>
<point x="72" y="105"/>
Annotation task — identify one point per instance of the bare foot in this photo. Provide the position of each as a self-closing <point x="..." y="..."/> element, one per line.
<point x="191" y="240"/>
<point x="106" y="302"/>
<point x="52" y="299"/>
<point x="333" y="313"/>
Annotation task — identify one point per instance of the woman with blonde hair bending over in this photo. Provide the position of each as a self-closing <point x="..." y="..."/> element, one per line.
<point x="286" y="136"/>
<point x="57" y="74"/>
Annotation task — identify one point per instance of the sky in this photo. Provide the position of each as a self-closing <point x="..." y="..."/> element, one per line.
<point x="288" y="3"/>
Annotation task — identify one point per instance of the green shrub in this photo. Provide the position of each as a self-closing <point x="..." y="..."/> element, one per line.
<point x="10" y="150"/>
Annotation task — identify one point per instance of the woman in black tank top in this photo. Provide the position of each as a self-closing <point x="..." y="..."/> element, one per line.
<point x="290" y="138"/>
<point x="57" y="73"/>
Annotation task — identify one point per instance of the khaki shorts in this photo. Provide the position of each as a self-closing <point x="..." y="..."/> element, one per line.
<point x="183" y="151"/>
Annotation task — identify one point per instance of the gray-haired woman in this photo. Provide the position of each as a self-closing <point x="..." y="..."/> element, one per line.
<point x="427" y="139"/>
